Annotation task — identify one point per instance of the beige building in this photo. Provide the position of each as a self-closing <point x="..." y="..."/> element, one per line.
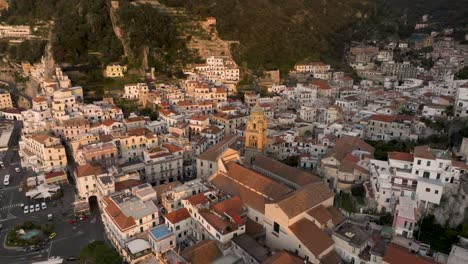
<point x="71" y="128"/>
<point x="103" y="154"/>
<point x="42" y="152"/>
<point x="230" y="122"/>
<point x="312" y="67"/>
<point x="86" y="180"/>
<point x="294" y="224"/>
<point x="163" y="164"/>
<point x="114" y="71"/>
<point x="219" y="69"/>
<point x="134" y="143"/>
<point x="347" y="163"/>
<point x="5" y="100"/>
<point x="129" y="215"/>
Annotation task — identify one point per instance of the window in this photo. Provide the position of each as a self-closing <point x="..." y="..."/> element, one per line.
<point x="419" y="162"/>
<point x="428" y="189"/>
<point x="177" y="228"/>
<point x="438" y="176"/>
<point x="436" y="191"/>
<point x="428" y="163"/>
<point x="276" y="227"/>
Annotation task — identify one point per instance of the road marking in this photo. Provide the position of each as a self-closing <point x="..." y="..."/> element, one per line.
<point x="50" y="249"/>
<point x="9" y="217"/>
<point x="11" y="206"/>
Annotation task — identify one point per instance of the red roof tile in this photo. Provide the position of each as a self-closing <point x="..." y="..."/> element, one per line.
<point x="177" y="215"/>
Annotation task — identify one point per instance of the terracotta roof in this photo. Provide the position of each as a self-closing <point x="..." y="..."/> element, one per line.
<point x="134" y="119"/>
<point x="54" y="174"/>
<point x="233" y="204"/>
<point x="41" y="137"/>
<point x="321" y="214"/>
<point x="256" y="181"/>
<point x="460" y="164"/>
<point x="337" y="216"/>
<point x="172" y="148"/>
<point x="198" y="198"/>
<point x="39" y="99"/>
<point x="118" y="217"/>
<point x="248" y="196"/>
<point x="322" y="85"/>
<point x="395" y="254"/>
<point x="88" y="170"/>
<point x="288" y="173"/>
<point x="423" y="152"/>
<point x="219" y="223"/>
<point x="212" y="130"/>
<point x="304" y="199"/>
<point x="203" y="252"/>
<point x="108" y="122"/>
<point x="199" y="117"/>
<point x="403" y="156"/>
<point x="177" y="215"/>
<point x="283" y="257"/>
<point x="214" y="151"/>
<point x="391" y="118"/>
<point x="331" y="258"/>
<point x="127" y="184"/>
<point x="75" y="122"/>
<point x="346" y="145"/>
<point x="315" y="239"/>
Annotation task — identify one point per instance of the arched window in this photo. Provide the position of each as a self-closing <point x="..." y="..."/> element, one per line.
<point x="253" y="142"/>
<point x="255" y="126"/>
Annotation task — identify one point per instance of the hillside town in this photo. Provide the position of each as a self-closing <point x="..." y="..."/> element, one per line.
<point x="312" y="166"/>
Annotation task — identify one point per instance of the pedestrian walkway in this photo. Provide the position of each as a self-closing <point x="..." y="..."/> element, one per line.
<point x="11" y="206"/>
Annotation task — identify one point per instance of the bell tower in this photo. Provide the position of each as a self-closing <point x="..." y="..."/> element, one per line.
<point x="255" y="134"/>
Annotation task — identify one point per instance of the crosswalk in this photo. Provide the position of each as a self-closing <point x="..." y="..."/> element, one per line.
<point x="8" y="218"/>
<point x="10" y="206"/>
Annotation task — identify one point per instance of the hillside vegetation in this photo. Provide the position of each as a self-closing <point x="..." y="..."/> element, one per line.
<point x="153" y="38"/>
<point x="276" y="34"/>
<point x="273" y="34"/>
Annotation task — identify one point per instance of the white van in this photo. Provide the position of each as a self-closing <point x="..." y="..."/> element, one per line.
<point x="6" y="180"/>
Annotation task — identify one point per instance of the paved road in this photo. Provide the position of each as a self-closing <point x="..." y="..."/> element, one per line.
<point x="70" y="237"/>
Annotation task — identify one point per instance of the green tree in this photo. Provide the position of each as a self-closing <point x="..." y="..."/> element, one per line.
<point x="99" y="253"/>
<point x="462" y="74"/>
<point x="292" y="161"/>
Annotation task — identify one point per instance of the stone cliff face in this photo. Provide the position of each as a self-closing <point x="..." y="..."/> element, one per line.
<point x="452" y="209"/>
<point x="118" y="30"/>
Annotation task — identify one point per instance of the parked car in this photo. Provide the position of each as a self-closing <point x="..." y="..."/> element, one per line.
<point x="26" y="209"/>
<point x="84" y="217"/>
<point x="72" y="258"/>
<point x="38" y="207"/>
<point x="17" y="169"/>
<point x="50" y="217"/>
<point x="31" y="208"/>
<point x="72" y="221"/>
<point x="43" y="205"/>
<point x="52" y="236"/>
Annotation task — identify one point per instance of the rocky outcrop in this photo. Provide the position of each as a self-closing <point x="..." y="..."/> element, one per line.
<point x="451" y="211"/>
